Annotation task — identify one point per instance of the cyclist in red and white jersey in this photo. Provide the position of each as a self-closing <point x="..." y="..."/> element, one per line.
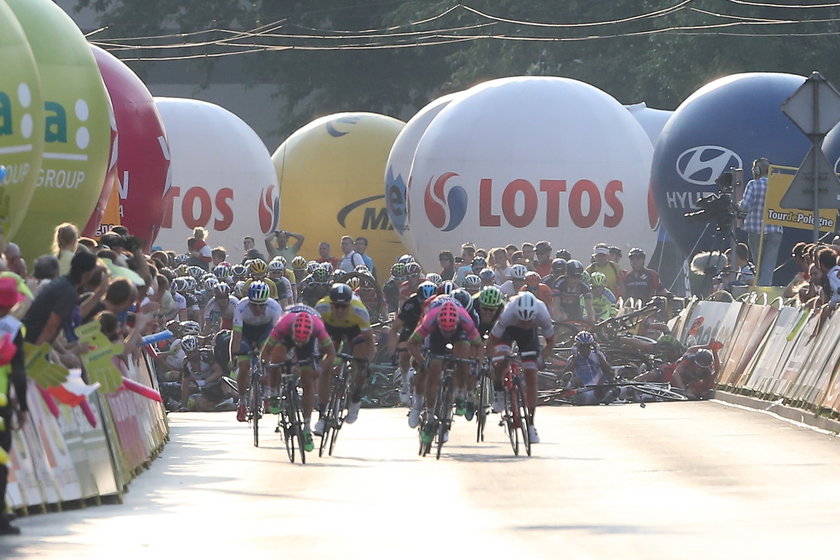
<point x="220" y="309"/>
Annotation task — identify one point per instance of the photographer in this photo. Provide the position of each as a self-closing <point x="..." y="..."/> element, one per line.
<point x="753" y="204"/>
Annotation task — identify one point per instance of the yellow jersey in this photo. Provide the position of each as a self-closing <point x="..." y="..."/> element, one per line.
<point x="356" y="316"/>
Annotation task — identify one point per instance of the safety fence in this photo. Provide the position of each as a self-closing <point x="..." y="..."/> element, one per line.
<point x="770" y="352"/>
<point x="67" y="455"/>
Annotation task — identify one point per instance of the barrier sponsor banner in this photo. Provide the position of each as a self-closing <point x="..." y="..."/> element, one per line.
<point x="23" y="489"/>
<point x="754" y="321"/>
<point x="764" y="370"/>
<point x="792" y="368"/>
<point x="72" y="437"/>
<point x="96" y="446"/>
<point x="812" y="385"/>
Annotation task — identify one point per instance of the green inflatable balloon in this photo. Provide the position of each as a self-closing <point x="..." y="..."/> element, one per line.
<point x="21" y="122"/>
<point x="77" y="132"/>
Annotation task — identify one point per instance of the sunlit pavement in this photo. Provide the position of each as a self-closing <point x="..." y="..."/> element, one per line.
<point x="673" y="480"/>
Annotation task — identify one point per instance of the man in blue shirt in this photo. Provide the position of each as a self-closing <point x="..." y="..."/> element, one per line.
<point x="753" y="204"/>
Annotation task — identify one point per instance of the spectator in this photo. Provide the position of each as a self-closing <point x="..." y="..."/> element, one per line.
<point x="499" y="264"/>
<point x="361" y="245"/>
<point x="276" y="243"/>
<point x="351" y="259"/>
<point x="765" y="249"/>
<point x="14" y="262"/>
<point x="88" y="244"/>
<point x="46" y="269"/>
<point x="200" y="253"/>
<point x="542" y="264"/>
<point x="115" y="243"/>
<point x="218" y="256"/>
<point x="65" y="243"/>
<point x="467" y="256"/>
<point x="250" y="250"/>
<point x="324" y="255"/>
<point x="800" y="259"/>
<point x="510" y="249"/>
<point x="447" y="265"/>
<point x="529" y="253"/>
<point x="517" y="258"/>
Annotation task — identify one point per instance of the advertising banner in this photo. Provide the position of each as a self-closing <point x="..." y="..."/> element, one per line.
<point x="778" y="182"/>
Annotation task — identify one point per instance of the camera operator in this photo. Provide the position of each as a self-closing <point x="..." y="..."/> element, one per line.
<point x="753" y="204"/>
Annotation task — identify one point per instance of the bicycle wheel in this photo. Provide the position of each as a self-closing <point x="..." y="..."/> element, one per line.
<point x="329" y="419"/>
<point x="481" y="408"/>
<point x="443" y="412"/>
<point x="524" y="417"/>
<point x="660" y="392"/>
<point x="297" y="412"/>
<point x="255" y="404"/>
<point x="287" y="426"/>
<point x="508" y="420"/>
<point x="340" y="406"/>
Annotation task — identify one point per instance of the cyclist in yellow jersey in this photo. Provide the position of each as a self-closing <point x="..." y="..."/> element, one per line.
<point x="258" y="270"/>
<point x="347" y="320"/>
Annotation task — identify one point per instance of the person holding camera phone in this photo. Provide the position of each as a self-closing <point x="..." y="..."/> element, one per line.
<point x="276" y="243"/>
<point x="753" y="204"/>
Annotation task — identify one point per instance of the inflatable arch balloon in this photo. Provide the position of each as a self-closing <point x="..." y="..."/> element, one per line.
<point x="398" y="168"/>
<point x="529" y="159"/>
<point x="76" y="132"/>
<point x="142" y="172"/>
<point x="221" y="174"/>
<point x="652" y="120"/>
<point x="21" y="121"/>
<point x="330" y="175"/>
<point x="727" y="123"/>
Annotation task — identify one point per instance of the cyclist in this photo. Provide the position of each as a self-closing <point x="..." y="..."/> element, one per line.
<point x="219" y="311"/>
<point x="413" y="277"/>
<point x="521" y="321"/>
<point x="411" y="311"/>
<point x="300" y="330"/>
<point x="472" y="283"/>
<point x="535" y="285"/>
<point x="516" y="280"/>
<point x="696" y="371"/>
<point x="257" y="271"/>
<point x="487" y="277"/>
<point x="488" y="304"/>
<point x="640" y="282"/>
<point x="347" y="320"/>
<point x="443" y="325"/>
<point x="317" y="287"/>
<point x="603" y="300"/>
<point x="569" y="291"/>
<point x="201" y="385"/>
<point x="589" y="366"/>
<point x="558" y="270"/>
<point x="284" y="287"/>
<point x="253" y="319"/>
<point x="391" y="288"/>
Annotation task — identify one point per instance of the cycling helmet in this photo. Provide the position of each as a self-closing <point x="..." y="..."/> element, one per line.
<point x="320" y="274"/>
<point x="584" y="338"/>
<point x="446" y="287"/>
<point x="413" y="269"/>
<point x="354" y="283"/>
<point x="257" y="267"/>
<point x="704" y="358"/>
<point x="362" y="269"/>
<point x="669" y="347"/>
<point x="276" y="266"/>
<point x="298" y="262"/>
<point x="189" y="343"/>
<point x="598" y="279"/>
<point x="179" y="284"/>
<point x="341" y="293"/>
<point x="491" y="296"/>
<point x="487" y="275"/>
<point x="258" y="292"/>
<point x="405" y="259"/>
<point x="525" y="305"/>
<point x="191" y="283"/>
<point x="574" y="268"/>
<point x="221" y="271"/>
<point x="181" y="259"/>
<point x="472" y="281"/>
<point x="328" y="266"/>
<point x="312" y="266"/>
<point x="636" y="252"/>
<point x="398" y="270"/>
<point x="479" y="263"/>
<point x="280" y="258"/>
<point x="239" y="289"/>
<point x="182" y="270"/>
<point x="532" y="279"/>
<point x="239" y="271"/>
<point x="434" y="278"/>
<point x="196" y="272"/>
<point x="211" y="283"/>
<point x="425" y="290"/>
<point x="448" y="317"/>
<point x="463" y="297"/>
<point x="518" y="272"/>
<point x="558" y="265"/>
<point x="302" y="328"/>
<point x="222" y="290"/>
<point x="190" y="328"/>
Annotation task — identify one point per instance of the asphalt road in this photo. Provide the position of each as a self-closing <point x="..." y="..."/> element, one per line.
<point x="673" y="480"/>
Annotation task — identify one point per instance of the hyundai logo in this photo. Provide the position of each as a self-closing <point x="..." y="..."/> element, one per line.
<point x="701" y="165"/>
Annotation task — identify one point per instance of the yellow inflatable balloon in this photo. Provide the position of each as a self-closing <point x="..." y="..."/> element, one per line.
<point x="330" y="176"/>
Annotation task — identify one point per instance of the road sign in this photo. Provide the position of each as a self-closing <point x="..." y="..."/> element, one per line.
<point x="815" y="106"/>
<point x="800" y="194"/>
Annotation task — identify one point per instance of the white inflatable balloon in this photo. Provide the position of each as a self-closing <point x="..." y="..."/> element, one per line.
<point x="398" y="167"/>
<point x="531" y="158"/>
<point x="652" y="120"/>
<point x="222" y="178"/>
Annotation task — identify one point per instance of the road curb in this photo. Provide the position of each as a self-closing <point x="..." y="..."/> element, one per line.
<point x="788" y="412"/>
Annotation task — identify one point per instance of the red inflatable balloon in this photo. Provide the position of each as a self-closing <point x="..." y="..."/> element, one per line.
<point x="143" y="152"/>
<point x="94" y="226"/>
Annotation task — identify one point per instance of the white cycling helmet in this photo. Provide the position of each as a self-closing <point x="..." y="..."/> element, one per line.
<point x="518" y="272"/>
<point x="525" y="305"/>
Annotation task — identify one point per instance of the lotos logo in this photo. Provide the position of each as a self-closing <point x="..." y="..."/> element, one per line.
<point x="269" y="210"/>
<point x="701" y="165"/>
<point x="445" y="213"/>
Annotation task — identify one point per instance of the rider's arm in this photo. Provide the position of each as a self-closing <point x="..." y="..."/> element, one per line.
<point x="590" y="311"/>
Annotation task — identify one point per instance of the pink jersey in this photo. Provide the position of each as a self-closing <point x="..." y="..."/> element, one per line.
<point x="429" y="323"/>
<point x="283" y="328"/>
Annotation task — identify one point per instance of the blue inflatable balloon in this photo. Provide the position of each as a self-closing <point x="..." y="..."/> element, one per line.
<point x="727" y="123"/>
